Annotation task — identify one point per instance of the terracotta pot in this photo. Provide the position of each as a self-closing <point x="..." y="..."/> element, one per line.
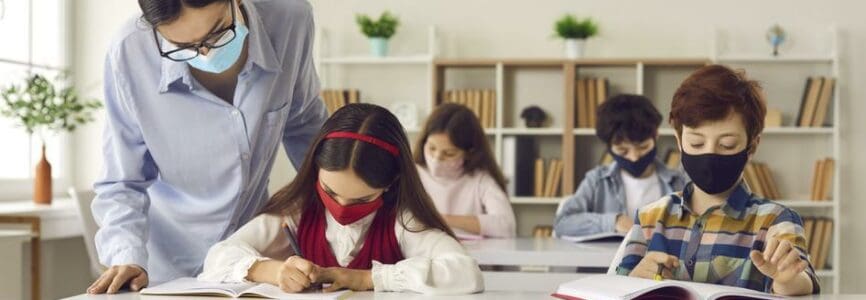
<point x="42" y="181"/>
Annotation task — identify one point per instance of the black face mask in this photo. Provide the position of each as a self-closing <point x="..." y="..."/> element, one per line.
<point x="635" y="168"/>
<point x="715" y="173"/>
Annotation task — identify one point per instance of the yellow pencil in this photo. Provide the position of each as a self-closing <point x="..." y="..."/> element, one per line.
<point x="658" y="276"/>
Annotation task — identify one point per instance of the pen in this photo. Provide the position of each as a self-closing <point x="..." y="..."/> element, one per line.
<point x="658" y="276"/>
<point x="293" y="242"/>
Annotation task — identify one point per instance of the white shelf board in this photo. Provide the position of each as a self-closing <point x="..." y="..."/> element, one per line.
<point x="487" y="131"/>
<point x="372" y="60"/>
<point x="787" y="130"/>
<point x="774" y="59"/>
<point x="536" y="200"/>
<point x="531" y="131"/>
<point x="806" y="203"/>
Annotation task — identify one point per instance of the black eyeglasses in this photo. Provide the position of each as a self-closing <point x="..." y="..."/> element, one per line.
<point x="212" y="41"/>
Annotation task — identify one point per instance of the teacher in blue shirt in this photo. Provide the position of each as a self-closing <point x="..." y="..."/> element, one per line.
<point x="199" y="94"/>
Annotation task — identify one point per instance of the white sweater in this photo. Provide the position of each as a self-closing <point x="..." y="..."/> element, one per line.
<point x="434" y="263"/>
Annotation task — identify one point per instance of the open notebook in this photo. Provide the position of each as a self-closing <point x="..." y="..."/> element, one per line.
<point x="623" y="287"/>
<point x="598" y="237"/>
<point x="193" y="287"/>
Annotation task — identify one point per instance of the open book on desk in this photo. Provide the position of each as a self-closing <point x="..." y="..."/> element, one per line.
<point x="611" y="287"/>
<point x="598" y="237"/>
<point x="193" y="287"/>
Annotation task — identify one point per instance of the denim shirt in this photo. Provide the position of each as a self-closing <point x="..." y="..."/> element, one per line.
<point x="601" y="197"/>
<point x="185" y="169"/>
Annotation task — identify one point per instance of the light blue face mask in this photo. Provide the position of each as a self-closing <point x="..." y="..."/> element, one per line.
<point x="220" y="59"/>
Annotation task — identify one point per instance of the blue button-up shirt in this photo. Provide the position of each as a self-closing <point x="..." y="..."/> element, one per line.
<point x="183" y="168"/>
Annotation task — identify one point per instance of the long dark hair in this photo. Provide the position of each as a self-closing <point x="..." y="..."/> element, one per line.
<point x="157" y="12"/>
<point x="465" y="132"/>
<point x="376" y="166"/>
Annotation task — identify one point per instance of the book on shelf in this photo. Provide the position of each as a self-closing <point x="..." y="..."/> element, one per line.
<point x="539" y="177"/>
<point x="542" y="231"/>
<point x="606" y="159"/>
<point x="824" y="100"/>
<point x="548" y="177"/>
<point x="815" y="104"/>
<point x="590" y="93"/>
<point x="773" y="119"/>
<point x="482" y="103"/>
<point x="336" y="99"/>
<point x="509" y="164"/>
<point x="818" y="232"/>
<point x="524" y="169"/>
<point x="760" y="181"/>
<point x="610" y="286"/>
<point x="822" y="180"/>
<point x="672" y="159"/>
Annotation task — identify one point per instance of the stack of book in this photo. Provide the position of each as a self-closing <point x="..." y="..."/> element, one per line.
<point x="760" y="180"/>
<point x="547" y="182"/>
<point x="335" y="99"/>
<point x="819" y="234"/>
<point x="822" y="180"/>
<point x="590" y="93"/>
<point x="814" y="106"/>
<point x="480" y="102"/>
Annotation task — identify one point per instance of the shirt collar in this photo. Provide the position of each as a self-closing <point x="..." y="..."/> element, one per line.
<point x="260" y="52"/>
<point x="734" y="206"/>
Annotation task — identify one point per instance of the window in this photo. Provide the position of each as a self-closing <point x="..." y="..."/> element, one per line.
<point x="35" y="40"/>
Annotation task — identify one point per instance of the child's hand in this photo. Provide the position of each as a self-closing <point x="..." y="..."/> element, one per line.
<point x="296" y="274"/>
<point x="649" y="265"/>
<point x="356" y="280"/>
<point x="780" y="260"/>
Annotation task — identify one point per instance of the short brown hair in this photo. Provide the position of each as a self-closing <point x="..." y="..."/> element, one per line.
<point x="712" y="93"/>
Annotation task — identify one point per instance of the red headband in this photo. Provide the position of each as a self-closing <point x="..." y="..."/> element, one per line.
<point x="364" y="138"/>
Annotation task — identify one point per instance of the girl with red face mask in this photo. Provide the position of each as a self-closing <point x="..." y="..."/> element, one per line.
<point x="360" y="216"/>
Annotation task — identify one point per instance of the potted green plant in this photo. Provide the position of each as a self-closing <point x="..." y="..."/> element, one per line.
<point x="575" y="32"/>
<point x="40" y="107"/>
<point x="378" y="31"/>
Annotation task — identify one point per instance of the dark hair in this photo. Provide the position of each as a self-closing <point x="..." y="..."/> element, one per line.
<point x="712" y="93"/>
<point x="377" y="167"/>
<point x="627" y="117"/>
<point x="465" y="132"/>
<point x="157" y="12"/>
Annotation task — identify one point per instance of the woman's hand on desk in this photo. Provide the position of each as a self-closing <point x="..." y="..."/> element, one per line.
<point x="340" y="278"/>
<point x="113" y="279"/>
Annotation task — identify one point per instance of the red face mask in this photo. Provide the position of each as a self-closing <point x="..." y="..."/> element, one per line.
<point x="347" y="214"/>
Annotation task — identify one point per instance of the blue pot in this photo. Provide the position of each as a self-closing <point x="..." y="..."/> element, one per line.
<point x="379" y="46"/>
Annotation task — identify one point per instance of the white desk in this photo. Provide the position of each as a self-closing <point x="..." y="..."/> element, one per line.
<point x="58" y="220"/>
<point x="531" y="264"/>
<point x="408" y="296"/>
<point x="357" y="295"/>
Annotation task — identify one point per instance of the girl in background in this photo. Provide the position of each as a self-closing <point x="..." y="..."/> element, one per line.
<point x="460" y="173"/>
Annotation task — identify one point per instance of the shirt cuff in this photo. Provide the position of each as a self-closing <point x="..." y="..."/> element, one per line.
<point x="608" y="222"/>
<point x="127" y="256"/>
<point x="386" y="278"/>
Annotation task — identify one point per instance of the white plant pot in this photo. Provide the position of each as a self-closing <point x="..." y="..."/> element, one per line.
<point x="574" y="48"/>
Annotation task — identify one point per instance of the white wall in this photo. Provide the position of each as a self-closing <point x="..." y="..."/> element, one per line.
<point x="520" y="28"/>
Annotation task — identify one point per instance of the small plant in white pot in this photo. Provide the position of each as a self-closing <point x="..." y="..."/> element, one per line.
<point x="575" y="32"/>
<point x="378" y="31"/>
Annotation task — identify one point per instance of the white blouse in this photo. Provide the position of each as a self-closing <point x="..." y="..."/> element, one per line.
<point x="434" y="263"/>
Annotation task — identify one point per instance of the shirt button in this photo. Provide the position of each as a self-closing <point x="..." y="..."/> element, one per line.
<point x="690" y="262"/>
<point x="235" y="112"/>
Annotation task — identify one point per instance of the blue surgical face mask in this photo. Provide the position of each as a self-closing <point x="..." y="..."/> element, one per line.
<point x="220" y="59"/>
